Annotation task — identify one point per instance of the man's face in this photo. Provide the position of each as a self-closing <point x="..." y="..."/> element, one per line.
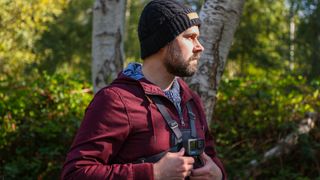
<point x="183" y="53"/>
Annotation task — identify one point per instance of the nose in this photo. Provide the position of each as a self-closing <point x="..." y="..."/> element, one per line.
<point x="198" y="47"/>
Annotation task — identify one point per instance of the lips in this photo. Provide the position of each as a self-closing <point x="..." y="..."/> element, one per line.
<point x="194" y="58"/>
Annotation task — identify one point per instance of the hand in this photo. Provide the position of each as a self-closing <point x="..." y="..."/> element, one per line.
<point x="210" y="171"/>
<point x="173" y="166"/>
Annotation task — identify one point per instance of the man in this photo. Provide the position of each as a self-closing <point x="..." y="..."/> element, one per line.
<point x="132" y="129"/>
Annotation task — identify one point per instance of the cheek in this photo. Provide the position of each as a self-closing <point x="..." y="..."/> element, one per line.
<point x="186" y="50"/>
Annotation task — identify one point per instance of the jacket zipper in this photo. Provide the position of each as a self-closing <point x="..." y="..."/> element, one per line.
<point x="180" y="114"/>
<point x="182" y="121"/>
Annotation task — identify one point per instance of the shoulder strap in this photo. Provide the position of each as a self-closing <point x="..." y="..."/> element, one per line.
<point x="174" y="128"/>
<point x="192" y="119"/>
<point x="173" y="125"/>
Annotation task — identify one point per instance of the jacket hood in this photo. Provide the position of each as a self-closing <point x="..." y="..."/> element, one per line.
<point x="151" y="88"/>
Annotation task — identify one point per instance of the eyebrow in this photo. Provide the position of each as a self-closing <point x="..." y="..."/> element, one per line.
<point x="191" y="33"/>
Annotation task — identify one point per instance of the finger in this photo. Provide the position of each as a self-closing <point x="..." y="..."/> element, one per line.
<point x="187" y="174"/>
<point x="185" y="168"/>
<point x="205" y="156"/>
<point x="177" y="177"/>
<point x="181" y="152"/>
<point x="200" y="171"/>
<point x="189" y="168"/>
<point x="192" y="177"/>
<point x="190" y="160"/>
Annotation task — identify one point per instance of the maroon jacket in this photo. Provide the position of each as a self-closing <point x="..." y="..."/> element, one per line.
<point x="121" y="125"/>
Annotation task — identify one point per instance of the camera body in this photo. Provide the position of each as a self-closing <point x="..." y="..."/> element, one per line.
<point x="194" y="147"/>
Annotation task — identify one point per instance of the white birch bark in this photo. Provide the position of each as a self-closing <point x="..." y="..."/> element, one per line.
<point x="220" y="19"/>
<point x="107" y="41"/>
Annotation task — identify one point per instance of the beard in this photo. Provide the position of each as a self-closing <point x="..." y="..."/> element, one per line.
<point x="177" y="65"/>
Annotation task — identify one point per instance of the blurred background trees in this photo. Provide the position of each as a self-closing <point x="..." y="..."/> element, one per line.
<point x="271" y="80"/>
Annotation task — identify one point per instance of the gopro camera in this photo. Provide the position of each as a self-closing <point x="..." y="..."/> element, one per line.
<point x="194" y="147"/>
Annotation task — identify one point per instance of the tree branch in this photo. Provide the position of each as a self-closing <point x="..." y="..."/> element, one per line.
<point x="285" y="145"/>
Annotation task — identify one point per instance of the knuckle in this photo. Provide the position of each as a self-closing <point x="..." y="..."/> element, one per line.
<point x="185" y="168"/>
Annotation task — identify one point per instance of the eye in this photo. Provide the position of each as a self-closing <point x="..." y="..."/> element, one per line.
<point x="191" y="37"/>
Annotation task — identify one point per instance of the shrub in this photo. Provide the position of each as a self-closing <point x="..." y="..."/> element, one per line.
<point x="253" y="113"/>
<point x="39" y="117"/>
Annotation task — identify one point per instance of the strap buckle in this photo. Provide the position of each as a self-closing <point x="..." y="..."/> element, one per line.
<point x="173" y="124"/>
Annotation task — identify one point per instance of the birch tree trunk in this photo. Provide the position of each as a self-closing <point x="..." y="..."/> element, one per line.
<point x="107" y="41"/>
<point x="220" y="19"/>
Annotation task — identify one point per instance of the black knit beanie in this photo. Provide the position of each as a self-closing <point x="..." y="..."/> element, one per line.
<point x="161" y="21"/>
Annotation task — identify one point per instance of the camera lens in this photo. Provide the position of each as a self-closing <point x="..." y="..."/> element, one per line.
<point x="200" y="144"/>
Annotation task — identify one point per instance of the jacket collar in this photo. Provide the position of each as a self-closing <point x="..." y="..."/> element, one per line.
<point x="151" y="89"/>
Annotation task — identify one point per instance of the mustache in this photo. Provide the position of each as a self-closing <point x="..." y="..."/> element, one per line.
<point x="195" y="57"/>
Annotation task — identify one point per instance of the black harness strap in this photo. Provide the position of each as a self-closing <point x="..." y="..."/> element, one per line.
<point x="157" y="157"/>
<point x="192" y="119"/>
<point x="173" y="125"/>
<point x="174" y="128"/>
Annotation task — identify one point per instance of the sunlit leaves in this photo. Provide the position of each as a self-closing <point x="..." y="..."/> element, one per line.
<point x="38" y="119"/>
<point x="22" y="23"/>
<point x="252" y="113"/>
<point x="262" y="36"/>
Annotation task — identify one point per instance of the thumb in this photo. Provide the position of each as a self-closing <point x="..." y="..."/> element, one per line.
<point x="181" y="152"/>
<point x="205" y="156"/>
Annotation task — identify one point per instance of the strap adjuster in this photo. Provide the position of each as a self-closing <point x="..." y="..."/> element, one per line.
<point x="173" y="124"/>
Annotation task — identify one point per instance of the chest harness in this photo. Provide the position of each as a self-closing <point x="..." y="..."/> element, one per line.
<point x="178" y="137"/>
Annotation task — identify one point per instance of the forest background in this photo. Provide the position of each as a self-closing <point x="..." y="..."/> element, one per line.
<point x="270" y="84"/>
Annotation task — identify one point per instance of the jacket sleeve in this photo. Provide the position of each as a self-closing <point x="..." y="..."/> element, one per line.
<point x="103" y="131"/>
<point x="209" y="149"/>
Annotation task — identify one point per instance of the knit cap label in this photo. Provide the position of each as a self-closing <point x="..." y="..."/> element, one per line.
<point x="193" y="15"/>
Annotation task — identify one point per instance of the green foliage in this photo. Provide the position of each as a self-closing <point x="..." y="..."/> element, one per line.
<point x="53" y="34"/>
<point x="264" y="40"/>
<point x="39" y="114"/>
<point x="262" y="36"/>
<point x="66" y="45"/>
<point x="308" y="39"/>
<point x="302" y="163"/>
<point x="252" y="113"/>
<point x="131" y="44"/>
<point x="21" y="24"/>
<point x="38" y="119"/>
